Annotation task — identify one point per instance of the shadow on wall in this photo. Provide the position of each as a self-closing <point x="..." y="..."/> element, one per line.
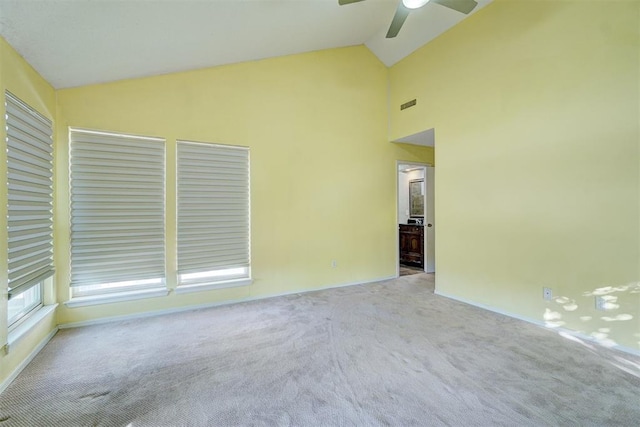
<point x="608" y="297"/>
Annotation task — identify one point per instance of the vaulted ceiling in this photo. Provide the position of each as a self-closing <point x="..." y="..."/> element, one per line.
<point x="78" y="42"/>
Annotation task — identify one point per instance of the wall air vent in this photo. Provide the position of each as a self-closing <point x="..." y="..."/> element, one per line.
<point x="408" y="104"/>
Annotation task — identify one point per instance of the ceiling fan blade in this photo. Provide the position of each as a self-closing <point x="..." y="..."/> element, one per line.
<point x="343" y="2"/>
<point x="462" y="6"/>
<point x="398" y="19"/>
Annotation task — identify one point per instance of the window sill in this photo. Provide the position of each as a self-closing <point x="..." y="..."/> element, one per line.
<point x="186" y="289"/>
<point x="116" y="297"/>
<point x="20" y="332"/>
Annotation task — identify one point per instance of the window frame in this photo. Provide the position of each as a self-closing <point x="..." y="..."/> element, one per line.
<point x="237" y="272"/>
<point x="120" y="288"/>
<point x="30" y="171"/>
<point x="25" y="313"/>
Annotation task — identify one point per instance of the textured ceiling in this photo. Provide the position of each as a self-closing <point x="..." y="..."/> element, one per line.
<point x="78" y="42"/>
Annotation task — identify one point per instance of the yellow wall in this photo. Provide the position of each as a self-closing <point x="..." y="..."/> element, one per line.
<point x="536" y="111"/>
<point x="323" y="173"/>
<point x="21" y="80"/>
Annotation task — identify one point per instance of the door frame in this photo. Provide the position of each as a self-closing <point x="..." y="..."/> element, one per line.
<point x="397" y="206"/>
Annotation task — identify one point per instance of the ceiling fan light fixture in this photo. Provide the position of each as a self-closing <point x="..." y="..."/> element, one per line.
<point x="414" y="4"/>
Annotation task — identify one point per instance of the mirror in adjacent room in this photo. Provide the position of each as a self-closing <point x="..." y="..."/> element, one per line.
<point x="416" y="198"/>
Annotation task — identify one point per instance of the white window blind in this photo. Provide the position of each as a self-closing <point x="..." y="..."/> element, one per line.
<point x="117" y="212"/>
<point x="213" y="214"/>
<point x="30" y="196"/>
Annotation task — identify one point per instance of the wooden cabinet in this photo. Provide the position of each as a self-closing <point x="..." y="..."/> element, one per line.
<point x="411" y="244"/>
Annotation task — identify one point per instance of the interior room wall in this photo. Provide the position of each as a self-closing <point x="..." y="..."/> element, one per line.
<point x="536" y="106"/>
<point x="23" y="81"/>
<point x="322" y="169"/>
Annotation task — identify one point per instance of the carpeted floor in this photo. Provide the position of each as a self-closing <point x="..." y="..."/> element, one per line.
<point x="390" y="353"/>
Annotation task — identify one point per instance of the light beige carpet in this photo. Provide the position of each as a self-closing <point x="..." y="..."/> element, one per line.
<point x="390" y="353"/>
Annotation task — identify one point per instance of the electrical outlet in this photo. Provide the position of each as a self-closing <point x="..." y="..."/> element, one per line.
<point x="547" y="294"/>
<point x="334" y="263"/>
<point x="601" y="303"/>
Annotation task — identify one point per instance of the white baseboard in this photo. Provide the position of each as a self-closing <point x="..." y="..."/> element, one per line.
<point x="27" y="360"/>
<point x="134" y="316"/>
<point x="540" y="323"/>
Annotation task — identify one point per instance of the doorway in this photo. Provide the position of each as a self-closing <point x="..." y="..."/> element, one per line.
<point x="415" y="217"/>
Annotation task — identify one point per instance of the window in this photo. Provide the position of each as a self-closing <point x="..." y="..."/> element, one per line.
<point x="117" y="213"/>
<point x="30" y="206"/>
<point x="24" y="303"/>
<point x="213" y="215"/>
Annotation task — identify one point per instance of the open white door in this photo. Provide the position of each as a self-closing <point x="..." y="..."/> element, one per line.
<point x="430" y="226"/>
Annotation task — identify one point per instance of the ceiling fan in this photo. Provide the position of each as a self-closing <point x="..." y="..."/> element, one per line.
<point x="406" y="6"/>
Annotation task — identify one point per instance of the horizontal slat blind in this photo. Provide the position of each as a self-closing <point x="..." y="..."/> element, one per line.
<point x="117" y="208"/>
<point x="213" y="207"/>
<point x="30" y="195"/>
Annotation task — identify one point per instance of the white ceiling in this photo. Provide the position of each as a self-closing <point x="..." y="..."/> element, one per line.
<point x="78" y="42"/>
